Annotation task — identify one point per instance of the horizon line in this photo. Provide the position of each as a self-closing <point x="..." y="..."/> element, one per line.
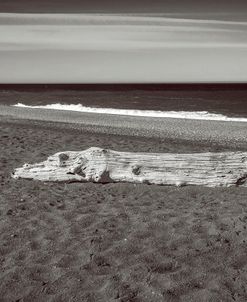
<point x="127" y="86"/>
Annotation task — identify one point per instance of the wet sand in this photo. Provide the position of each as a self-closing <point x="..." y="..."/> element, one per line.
<point x="116" y="242"/>
<point x="220" y="133"/>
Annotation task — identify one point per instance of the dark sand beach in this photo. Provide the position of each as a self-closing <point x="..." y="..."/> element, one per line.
<point x="117" y="242"/>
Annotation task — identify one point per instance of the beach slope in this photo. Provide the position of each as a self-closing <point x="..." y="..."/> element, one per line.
<point x="117" y="242"/>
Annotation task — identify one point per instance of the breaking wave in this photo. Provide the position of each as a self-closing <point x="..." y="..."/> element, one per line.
<point x="194" y="115"/>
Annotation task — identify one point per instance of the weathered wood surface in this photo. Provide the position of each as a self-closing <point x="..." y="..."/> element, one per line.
<point x="103" y="166"/>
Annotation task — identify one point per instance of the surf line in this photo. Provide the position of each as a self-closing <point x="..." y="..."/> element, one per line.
<point x="194" y="115"/>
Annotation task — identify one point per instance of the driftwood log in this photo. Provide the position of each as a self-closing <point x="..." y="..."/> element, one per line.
<point x="105" y="166"/>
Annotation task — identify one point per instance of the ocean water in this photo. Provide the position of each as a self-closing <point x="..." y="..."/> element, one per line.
<point x="207" y="103"/>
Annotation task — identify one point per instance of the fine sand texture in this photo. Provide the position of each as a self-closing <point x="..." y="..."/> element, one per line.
<point x="115" y="242"/>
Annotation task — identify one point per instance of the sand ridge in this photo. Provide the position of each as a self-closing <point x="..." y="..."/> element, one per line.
<point x="232" y="134"/>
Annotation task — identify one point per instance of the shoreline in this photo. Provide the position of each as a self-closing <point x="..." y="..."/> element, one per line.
<point x="229" y="135"/>
<point x="187" y="115"/>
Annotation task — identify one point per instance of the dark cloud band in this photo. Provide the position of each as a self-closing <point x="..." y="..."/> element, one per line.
<point x="130" y="6"/>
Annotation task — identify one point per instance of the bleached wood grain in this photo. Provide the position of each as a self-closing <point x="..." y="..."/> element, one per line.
<point x="105" y="166"/>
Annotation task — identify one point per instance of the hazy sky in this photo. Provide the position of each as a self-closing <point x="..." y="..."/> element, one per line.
<point x="189" y="41"/>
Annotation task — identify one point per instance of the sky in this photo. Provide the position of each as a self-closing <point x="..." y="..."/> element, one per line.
<point x="123" y="41"/>
<point x="126" y="6"/>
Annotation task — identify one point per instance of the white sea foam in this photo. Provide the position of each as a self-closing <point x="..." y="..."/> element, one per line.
<point x="194" y="115"/>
